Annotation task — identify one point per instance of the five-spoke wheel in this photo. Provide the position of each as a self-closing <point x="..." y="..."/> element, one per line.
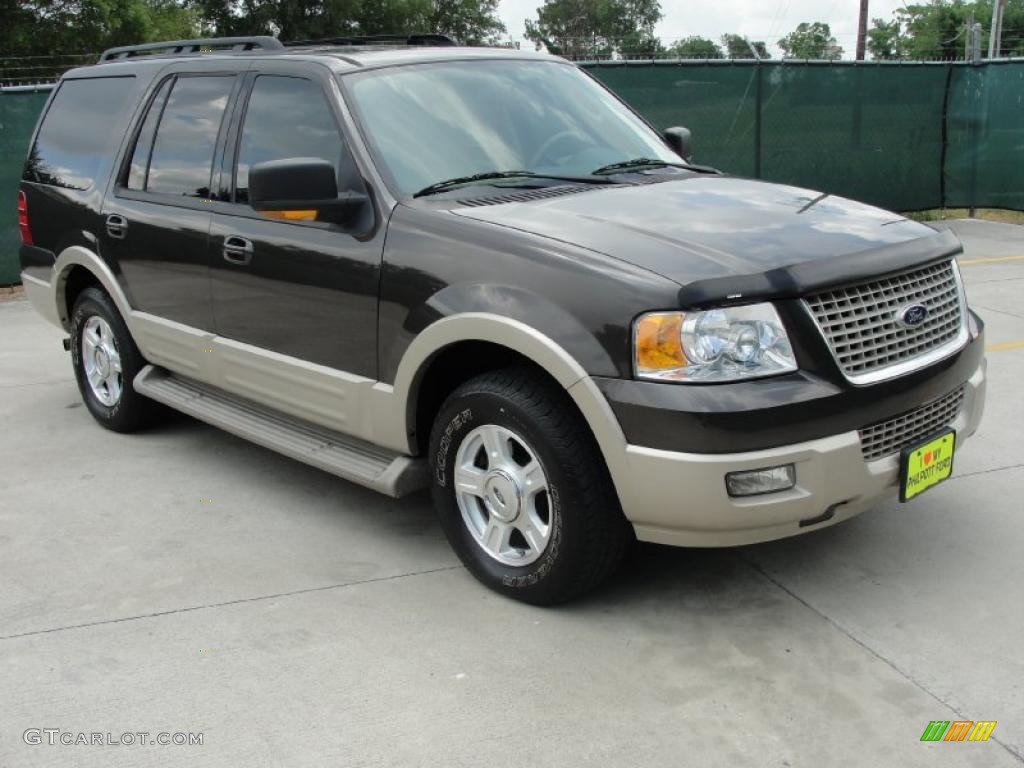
<point x="502" y="492"/>
<point x="102" y="361"/>
<point x="522" y="490"/>
<point x="106" y="362"/>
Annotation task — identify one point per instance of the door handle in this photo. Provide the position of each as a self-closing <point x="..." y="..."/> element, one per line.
<point x="117" y="226"/>
<point x="237" y="250"/>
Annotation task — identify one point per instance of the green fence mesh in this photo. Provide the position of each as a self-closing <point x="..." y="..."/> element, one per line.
<point x="985" y="151"/>
<point x="867" y="133"/>
<point x="904" y="136"/>
<point x="18" y="114"/>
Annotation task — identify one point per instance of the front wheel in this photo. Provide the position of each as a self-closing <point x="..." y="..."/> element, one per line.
<point x="522" y="491"/>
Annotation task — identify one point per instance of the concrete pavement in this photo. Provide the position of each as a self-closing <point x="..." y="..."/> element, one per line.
<point x="182" y="580"/>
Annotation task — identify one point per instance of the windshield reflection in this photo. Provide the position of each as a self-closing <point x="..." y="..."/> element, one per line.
<point x="431" y="122"/>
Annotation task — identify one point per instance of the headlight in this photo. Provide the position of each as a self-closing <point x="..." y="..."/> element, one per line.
<point x="714" y="345"/>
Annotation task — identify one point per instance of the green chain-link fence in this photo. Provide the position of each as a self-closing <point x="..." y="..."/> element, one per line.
<point x="18" y="115"/>
<point x="905" y="136"/>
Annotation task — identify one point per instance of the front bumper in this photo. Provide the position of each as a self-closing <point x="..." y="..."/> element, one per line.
<point x="680" y="498"/>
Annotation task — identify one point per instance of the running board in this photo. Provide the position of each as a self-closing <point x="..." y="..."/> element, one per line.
<point x="378" y="468"/>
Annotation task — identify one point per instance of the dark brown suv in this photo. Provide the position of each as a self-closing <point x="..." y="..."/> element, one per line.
<point x="477" y="270"/>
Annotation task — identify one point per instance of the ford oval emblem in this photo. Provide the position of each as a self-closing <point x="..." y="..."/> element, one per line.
<point x="912" y="315"/>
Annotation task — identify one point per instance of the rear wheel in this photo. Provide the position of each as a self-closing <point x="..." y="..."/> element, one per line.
<point x="522" y="491"/>
<point x="106" y="362"/>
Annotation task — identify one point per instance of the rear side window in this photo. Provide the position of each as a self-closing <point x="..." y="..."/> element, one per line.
<point x="286" y="117"/>
<point x="144" y="144"/>
<point x="77" y="132"/>
<point x="180" y="158"/>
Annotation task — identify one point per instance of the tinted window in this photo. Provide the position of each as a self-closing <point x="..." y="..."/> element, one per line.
<point x="286" y="117"/>
<point x="432" y="122"/>
<point x="185" y="139"/>
<point x="144" y="144"/>
<point x="77" y="131"/>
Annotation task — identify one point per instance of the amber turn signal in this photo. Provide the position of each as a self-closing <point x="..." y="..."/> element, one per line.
<point x="657" y="341"/>
<point x="290" y="215"/>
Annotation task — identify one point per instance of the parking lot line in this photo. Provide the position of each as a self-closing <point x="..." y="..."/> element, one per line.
<point x="1005" y="346"/>
<point x="990" y="260"/>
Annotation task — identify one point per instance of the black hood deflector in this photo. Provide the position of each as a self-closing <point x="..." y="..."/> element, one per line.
<point x="810" y="277"/>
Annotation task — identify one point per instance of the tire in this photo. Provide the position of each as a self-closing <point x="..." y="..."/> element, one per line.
<point x="526" y="463"/>
<point x="113" y="402"/>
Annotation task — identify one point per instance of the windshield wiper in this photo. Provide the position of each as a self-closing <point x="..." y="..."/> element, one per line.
<point x="636" y="163"/>
<point x="442" y="186"/>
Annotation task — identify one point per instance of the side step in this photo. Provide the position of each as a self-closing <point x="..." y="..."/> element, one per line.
<point x="378" y="468"/>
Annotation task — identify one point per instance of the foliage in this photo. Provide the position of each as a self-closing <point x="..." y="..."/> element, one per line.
<point x="46" y="27"/>
<point x="885" y="40"/>
<point x="596" y="28"/>
<point x="695" y="48"/>
<point x="736" y="47"/>
<point x="935" y="30"/>
<point x="470" y="21"/>
<point x="810" y="41"/>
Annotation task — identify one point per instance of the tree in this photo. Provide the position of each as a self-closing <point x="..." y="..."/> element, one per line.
<point x="469" y="21"/>
<point x="695" y="48"/>
<point x="588" y="28"/>
<point x="45" y="27"/>
<point x="935" y="30"/>
<point x="885" y="40"/>
<point x="737" y="47"/>
<point x="810" y="41"/>
<point x="53" y="27"/>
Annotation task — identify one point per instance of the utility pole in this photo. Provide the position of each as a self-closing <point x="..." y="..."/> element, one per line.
<point x="862" y="29"/>
<point x="972" y="51"/>
<point x="996" y="33"/>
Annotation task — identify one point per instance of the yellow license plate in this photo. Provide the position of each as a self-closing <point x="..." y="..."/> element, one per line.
<point x="926" y="464"/>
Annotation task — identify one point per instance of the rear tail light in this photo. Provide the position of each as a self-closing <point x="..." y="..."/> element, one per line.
<point x="23" y="228"/>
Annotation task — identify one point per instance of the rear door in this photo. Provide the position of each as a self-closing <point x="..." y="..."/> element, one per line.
<point x="305" y="289"/>
<point x="157" y="221"/>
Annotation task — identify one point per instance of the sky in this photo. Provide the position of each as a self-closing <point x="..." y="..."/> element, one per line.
<point x="757" y="19"/>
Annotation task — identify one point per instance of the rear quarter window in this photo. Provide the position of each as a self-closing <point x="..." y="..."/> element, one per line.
<point x="77" y="132"/>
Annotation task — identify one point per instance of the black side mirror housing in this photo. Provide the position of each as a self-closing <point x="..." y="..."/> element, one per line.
<point x="304" y="184"/>
<point x="679" y="139"/>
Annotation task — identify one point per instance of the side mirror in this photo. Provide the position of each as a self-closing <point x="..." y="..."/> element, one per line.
<point x="303" y="185"/>
<point x="679" y="139"/>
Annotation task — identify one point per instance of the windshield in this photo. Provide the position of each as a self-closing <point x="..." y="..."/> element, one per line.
<point x="433" y="122"/>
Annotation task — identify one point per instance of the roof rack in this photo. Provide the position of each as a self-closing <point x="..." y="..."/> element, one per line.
<point x="414" y="39"/>
<point x="202" y="45"/>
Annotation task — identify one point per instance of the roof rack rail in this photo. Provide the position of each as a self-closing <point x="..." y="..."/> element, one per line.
<point x="414" y="39"/>
<point x="202" y="45"/>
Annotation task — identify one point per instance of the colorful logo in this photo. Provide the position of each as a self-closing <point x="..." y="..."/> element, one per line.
<point x="958" y="730"/>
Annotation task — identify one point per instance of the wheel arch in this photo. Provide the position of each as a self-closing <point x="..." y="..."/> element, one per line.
<point x="77" y="267"/>
<point x="496" y="341"/>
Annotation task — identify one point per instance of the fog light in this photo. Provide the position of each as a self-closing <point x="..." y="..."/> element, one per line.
<point x="758" y="481"/>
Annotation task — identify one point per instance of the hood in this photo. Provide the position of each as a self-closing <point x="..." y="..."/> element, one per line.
<point x="703" y="226"/>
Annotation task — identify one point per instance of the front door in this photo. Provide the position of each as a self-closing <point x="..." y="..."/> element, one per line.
<point x="300" y="288"/>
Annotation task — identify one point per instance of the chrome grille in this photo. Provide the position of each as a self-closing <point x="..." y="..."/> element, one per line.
<point x="890" y="436"/>
<point x="859" y="322"/>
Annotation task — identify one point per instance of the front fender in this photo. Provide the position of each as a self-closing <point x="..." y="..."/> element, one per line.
<point x="535" y="313"/>
<point x="511" y="334"/>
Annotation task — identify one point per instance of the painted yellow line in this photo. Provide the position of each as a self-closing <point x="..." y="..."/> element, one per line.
<point x="1005" y="346"/>
<point x="990" y="260"/>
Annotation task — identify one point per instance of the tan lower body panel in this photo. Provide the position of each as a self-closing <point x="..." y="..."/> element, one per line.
<point x="681" y="498"/>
